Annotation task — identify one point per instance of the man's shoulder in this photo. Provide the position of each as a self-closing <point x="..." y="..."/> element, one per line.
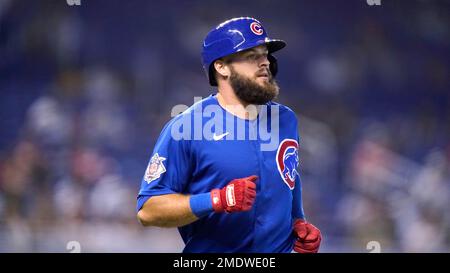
<point x="198" y="106"/>
<point x="284" y="110"/>
<point x="186" y="117"/>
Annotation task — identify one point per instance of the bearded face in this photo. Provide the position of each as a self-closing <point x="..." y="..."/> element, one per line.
<point x="257" y="89"/>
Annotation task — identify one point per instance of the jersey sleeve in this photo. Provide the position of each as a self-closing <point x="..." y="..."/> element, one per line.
<point x="297" y="205"/>
<point x="168" y="169"/>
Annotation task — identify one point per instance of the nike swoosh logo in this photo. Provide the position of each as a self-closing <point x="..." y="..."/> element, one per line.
<point x="219" y="137"/>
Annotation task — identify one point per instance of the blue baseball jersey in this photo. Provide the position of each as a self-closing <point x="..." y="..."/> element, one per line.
<point x="195" y="164"/>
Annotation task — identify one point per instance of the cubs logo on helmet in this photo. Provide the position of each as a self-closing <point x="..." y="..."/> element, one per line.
<point x="287" y="161"/>
<point x="256" y="28"/>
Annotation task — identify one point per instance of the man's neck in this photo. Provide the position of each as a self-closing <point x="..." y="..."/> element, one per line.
<point x="231" y="103"/>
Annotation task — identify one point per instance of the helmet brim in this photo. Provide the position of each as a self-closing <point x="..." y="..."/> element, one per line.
<point x="274" y="45"/>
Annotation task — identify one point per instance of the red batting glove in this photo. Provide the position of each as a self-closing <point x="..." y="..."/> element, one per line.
<point x="308" y="237"/>
<point x="238" y="195"/>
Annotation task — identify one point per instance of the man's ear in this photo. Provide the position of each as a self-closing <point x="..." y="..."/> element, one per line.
<point x="222" y="68"/>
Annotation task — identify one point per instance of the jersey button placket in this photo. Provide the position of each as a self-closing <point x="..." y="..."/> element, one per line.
<point x="253" y="128"/>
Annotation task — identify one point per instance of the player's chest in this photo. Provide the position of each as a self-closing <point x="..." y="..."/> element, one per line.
<point x="275" y="160"/>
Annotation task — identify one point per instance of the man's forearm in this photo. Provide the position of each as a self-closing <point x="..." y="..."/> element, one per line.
<point x="176" y="210"/>
<point x="171" y="210"/>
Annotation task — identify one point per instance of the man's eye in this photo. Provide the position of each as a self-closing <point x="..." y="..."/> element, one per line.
<point x="254" y="57"/>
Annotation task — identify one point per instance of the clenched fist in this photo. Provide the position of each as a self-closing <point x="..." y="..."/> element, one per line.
<point x="308" y="237"/>
<point x="238" y="195"/>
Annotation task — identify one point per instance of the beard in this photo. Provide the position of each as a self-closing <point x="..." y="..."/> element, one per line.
<point x="250" y="91"/>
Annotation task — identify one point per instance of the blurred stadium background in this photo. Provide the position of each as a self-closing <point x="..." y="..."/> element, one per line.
<point x="85" y="91"/>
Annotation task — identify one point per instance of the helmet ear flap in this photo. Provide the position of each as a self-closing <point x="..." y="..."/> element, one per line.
<point x="211" y="75"/>
<point x="273" y="64"/>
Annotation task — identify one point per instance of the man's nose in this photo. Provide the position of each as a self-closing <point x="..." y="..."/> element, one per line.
<point x="264" y="61"/>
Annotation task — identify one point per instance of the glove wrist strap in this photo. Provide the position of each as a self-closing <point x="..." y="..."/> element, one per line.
<point x="216" y="201"/>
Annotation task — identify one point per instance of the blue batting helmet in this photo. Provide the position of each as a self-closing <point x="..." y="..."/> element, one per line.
<point x="236" y="35"/>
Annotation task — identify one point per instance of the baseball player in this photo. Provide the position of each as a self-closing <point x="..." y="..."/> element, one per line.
<point x="226" y="194"/>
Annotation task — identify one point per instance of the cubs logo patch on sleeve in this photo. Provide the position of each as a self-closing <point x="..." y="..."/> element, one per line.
<point x="287" y="161"/>
<point x="155" y="168"/>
